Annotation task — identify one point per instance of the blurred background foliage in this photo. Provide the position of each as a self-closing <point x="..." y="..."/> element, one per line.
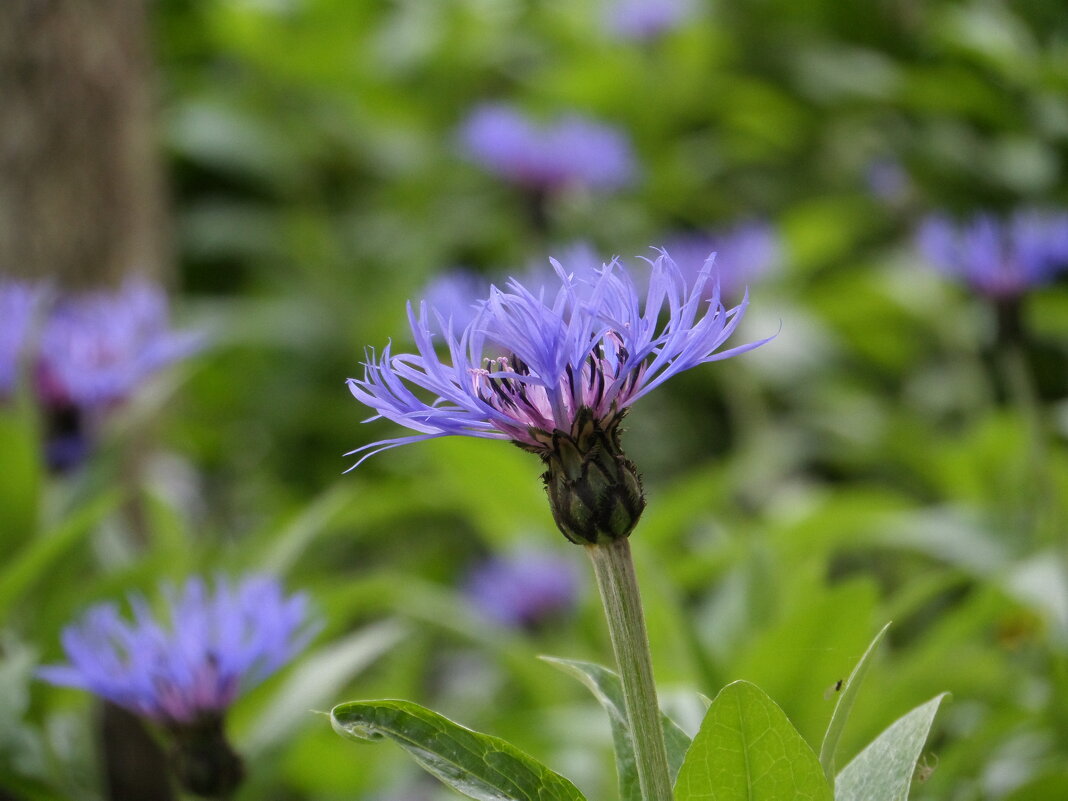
<point x="875" y="462"/>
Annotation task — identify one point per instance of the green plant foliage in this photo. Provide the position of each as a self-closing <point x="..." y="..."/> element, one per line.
<point x="34" y="560"/>
<point x="607" y="689"/>
<point x="747" y="750"/>
<point x="848" y="696"/>
<point x="20" y="476"/>
<point x="479" y="766"/>
<point x="318" y="680"/>
<point x="884" y="770"/>
<point x="881" y="459"/>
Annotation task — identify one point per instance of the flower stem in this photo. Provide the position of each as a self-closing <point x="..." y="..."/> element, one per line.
<point x="614" y="569"/>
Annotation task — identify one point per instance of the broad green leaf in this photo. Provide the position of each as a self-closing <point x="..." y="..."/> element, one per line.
<point x="883" y="771"/>
<point x="747" y="750"/>
<point x="846" y="699"/>
<point x="479" y="766"/>
<point x="608" y="690"/>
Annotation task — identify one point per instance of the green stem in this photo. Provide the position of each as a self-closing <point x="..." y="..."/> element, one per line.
<point x="1037" y="491"/>
<point x="614" y="569"/>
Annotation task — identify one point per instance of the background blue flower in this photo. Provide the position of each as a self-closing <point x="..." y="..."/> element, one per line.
<point x="524" y="588"/>
<point x="999" y="258"/>
<point x="19" y="304"/>
<point x="568" y="150"/>
<point x="193" y="661"/>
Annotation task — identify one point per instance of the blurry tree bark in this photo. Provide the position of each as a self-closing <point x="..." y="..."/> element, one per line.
<point x="81" y="192"/>
<point x="81" y="200"/>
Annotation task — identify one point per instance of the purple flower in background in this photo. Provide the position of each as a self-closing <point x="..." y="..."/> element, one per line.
<point x="744" y="255"/>
<point x="646" y="19"/>
<point x="540" y="274"/>
<point x="1001" y="259"/>
<point x="592" y="344"/>
<point x="887" y="180"/>
<point x="455" y="295"/>
<point x="18" y="310"/>
<point x="190" y="668"/>
<point x="569" y="151"/>
<point x="97" y="348"/>
<point x="523" y="589"/>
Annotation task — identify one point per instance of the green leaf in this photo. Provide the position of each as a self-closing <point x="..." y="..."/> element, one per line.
<point x="846" y="699"/>
<point x="608" y="690"/>
<point x="319" y="677"/>
<point x="479" y="766"/>
<point x="36" y="557"/>
<point x="747" y="750"/>
<point x="20" y="478"/>
<point x="883" y="771"/>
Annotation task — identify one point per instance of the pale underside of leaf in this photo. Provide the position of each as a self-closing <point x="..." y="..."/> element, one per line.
<point x="883" y="771"/>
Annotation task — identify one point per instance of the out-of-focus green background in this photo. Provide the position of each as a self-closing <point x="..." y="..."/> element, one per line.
<point x="872" y="463"/>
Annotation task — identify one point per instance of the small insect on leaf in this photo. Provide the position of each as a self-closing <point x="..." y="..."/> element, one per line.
<point x="828" y="694"/>
<point x="925" y="768"/>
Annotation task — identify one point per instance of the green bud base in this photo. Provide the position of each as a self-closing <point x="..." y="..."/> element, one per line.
<point x="594" y="490"/>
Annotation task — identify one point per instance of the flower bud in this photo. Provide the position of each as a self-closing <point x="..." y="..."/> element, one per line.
<point x="594" y="491"/>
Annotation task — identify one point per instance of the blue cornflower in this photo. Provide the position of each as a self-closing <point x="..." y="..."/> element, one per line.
<point x="1001" y="259"/>
<point x="592" y="344"/>
<point x="554" y="371"/>
<point x="191" y="668"/>
<point x="572" y="150"/>
<point x="887" y="180"/>
<point x="96" y="348"/>
<point x="744" y="255"/>
<point x="646" y="19"/>
<point x="525" y="588"/>
<point x="454" y="296"/>
<point x="19" y="304"/>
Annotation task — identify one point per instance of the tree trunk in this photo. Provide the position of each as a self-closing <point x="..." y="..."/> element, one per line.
<point x="81" y="195"/>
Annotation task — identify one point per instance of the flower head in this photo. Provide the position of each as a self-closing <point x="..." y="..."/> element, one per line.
<point x="192" y="667"/>
<point x="744" y="255"/>
<point x="571" y="150"/>
<point x="97" y="348"/>
<point x="18" y="308"/>
<point x="646" y="19"/>
<point x="454" y="296"/>
<point x="1001" y="259"/>
<point x="887" y="180"/>
<point x="573" y="361"/>
<point x="523" y="589"/>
